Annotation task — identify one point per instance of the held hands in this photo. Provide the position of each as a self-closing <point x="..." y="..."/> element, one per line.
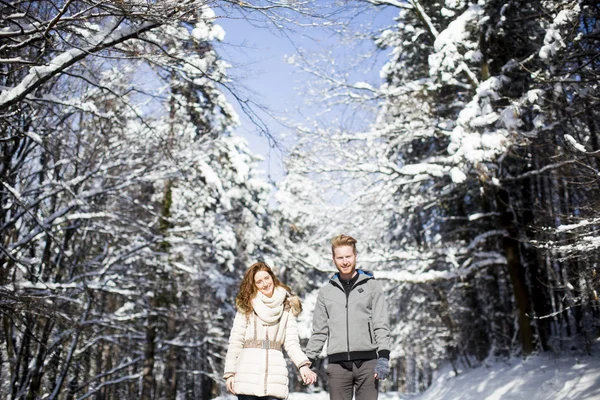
<point x="229" y="384"/>
<point x="308" y="376"/>
<point x="382" y="369"/>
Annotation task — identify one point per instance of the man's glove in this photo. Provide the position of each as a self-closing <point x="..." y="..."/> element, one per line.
<point x="382" y="369"/>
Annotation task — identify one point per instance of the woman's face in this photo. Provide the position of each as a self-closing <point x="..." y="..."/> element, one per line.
<point x="264" y="283"/>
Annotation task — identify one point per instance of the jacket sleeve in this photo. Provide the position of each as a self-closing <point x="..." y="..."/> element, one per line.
<point x="292" y="343"/>
<point x="381" y="321"/>
<point x="236" y="343"/>
<point x="320" y="330"/>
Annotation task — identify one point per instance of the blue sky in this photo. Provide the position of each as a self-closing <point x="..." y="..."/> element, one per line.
<point x="257" y="54"/>
<point x="260" y="71"/>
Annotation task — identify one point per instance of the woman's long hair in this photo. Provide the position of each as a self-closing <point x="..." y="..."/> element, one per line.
<point x="248" y="289"/>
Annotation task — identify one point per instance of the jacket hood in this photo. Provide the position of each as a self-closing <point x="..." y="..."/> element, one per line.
<point x="293" y="304"/>
<point x="362" y="274"/>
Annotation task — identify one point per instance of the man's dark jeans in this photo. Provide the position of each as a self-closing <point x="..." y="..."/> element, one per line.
<point x="343" y="382"/>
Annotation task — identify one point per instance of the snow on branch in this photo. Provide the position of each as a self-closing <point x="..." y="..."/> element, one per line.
<point x="585" y="223"/>
<point x="424" y="18"/>
<point x="581" y="224"/>
<point x="435" y="276"/>
<point x="582" y="240"/>
<point x="484" y="236"/>
<point x="95" y="389"/>
<point x="37" y="76"/>
<point x="579" y="148"/>
<point x="123" y="365"/>
<point x="583" y="245"/>
<point x="393" y="3"/>
<point x="553" y="40"/>
<point x="447" y="61"/>
<point x="539" y="171"/>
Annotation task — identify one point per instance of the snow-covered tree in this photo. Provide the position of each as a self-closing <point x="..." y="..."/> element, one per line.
<point x="129" y="209"/>
<point x="464" y="179"/>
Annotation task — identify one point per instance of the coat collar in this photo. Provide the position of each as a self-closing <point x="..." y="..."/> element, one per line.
<point x="362" y="275"/>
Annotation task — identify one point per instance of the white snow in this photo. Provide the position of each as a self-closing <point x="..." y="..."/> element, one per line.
<point x="580" y="224"/>
<point x="539" y="377"/>
<point x="64" y="60"/>
<point x="447" y="60"/>
<point x="553" y="41"/>
<point x="578" y="146"/>
<point x="457" y="175"/>
<point x="417" y="169"/>
<point x="35" y="137"/>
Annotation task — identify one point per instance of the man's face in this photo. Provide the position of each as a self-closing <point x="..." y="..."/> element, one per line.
<point x="345" y="261"/>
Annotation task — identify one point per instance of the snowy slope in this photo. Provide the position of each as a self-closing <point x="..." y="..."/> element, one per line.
<point x="540" y="377"/>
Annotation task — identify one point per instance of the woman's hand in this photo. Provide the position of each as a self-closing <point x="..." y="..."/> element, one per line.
<point x="229" y="384"/>
<point x="308" y="376"/>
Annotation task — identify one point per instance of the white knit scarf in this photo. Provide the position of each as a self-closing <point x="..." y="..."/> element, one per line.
<point x="269" y="309"/>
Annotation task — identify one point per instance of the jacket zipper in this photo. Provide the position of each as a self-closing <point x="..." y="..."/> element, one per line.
<point x="266" y="370"/>
<point x="266" y="354"/>
<point x="347" y="326"/>
<point x="267" y="351"/>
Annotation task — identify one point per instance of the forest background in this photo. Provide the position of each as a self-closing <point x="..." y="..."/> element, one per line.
<point x="130" y="208"/>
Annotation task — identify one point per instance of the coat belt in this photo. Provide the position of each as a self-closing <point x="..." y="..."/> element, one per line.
<point x="262" y="344"/>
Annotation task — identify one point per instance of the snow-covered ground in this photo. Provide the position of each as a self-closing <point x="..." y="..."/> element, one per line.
<point x="540" y="377"/>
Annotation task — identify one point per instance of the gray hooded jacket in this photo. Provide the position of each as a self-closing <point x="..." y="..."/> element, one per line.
<point x="357" y="326"/>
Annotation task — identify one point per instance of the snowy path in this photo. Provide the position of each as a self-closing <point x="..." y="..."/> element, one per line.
<point x="544" y="377"/>
<point x="540" y="377"/>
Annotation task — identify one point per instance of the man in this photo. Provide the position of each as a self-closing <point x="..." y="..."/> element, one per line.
<point x="351" y="312"/>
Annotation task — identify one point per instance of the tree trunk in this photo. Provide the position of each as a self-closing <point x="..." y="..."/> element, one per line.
<point x="170" y="286"/>
<point x="171" y="367"/>
<point x="516" y="271"/>
<point x="531" y="195"/>
<point x="38" y="372"/>
<point x="148" y="371"/>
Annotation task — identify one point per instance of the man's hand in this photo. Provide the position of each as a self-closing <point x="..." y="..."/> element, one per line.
<point x="382" y="369"/>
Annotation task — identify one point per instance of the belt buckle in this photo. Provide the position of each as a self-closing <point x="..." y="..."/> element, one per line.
<point x="266" y="344"/>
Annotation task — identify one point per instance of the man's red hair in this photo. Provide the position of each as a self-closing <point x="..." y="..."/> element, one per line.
<point x="343" y="240"/>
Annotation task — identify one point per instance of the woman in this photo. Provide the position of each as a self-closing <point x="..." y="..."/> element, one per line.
<point x="265" y="321"/>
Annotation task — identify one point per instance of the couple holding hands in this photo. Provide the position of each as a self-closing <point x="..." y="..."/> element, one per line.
<point x="351" y="314"/>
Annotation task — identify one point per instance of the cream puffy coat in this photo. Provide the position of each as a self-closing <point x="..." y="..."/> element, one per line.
<point x="263" y="372"/>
